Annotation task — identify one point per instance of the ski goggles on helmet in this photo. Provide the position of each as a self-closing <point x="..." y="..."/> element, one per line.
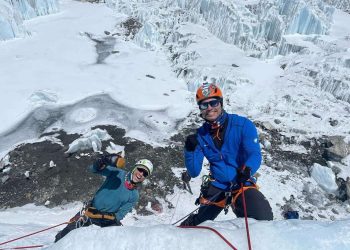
<point x="213" y="103"/>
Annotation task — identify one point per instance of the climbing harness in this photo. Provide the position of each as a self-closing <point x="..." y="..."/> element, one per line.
<point x="230" y="196"/>
<point x="236" y="193"/>
<point x="93" y="213"/>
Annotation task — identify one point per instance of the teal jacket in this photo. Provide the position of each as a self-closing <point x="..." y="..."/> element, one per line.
<point x="113" y="196"/>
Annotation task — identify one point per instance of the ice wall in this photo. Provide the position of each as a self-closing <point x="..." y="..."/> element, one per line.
<point x="10" y="21"/>
<point x="262" y="28"/>
<point x="257" y="27"/>
<point x="33" y="8"/>
<point x="13" y="12"/>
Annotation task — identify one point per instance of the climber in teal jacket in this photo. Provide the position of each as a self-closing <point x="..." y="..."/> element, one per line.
<point x="230" y="144"/>
<point x="115" y="198"/>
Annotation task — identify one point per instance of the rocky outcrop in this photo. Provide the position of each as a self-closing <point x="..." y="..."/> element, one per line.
<point x="67" y="178"/>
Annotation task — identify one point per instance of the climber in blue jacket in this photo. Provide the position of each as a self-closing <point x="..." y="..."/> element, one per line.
<point x="115" y="198"/>
<point x="230" y="143"/>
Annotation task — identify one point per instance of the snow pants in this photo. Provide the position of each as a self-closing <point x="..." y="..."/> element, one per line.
<point x="256" y="204"/>
<point x="84" y="221"/>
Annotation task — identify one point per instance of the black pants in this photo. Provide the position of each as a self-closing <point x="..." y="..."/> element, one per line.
<point x="256" y="204"/>
<point x="84" y="222"/>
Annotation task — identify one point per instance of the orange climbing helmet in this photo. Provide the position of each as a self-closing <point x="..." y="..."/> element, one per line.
<point x="208" y="90"/>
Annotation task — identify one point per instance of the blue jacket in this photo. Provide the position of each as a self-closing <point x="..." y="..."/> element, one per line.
<point x="113" y="196"/>
<point x="240" y="147"/>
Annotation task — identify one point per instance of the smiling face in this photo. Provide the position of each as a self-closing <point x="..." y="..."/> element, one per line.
<point x="211" y="113"/>
<point x="139" y="175"/>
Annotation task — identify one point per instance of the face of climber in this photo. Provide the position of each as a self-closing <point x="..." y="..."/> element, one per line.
<point x="139" y="175"/>
<point x="210" y="109"/>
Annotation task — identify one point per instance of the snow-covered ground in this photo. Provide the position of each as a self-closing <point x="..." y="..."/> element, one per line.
<point x="156" y="232"/>
<point x="49" y="79"/>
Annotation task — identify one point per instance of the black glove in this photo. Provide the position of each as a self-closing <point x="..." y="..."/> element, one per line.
<point x="185" y="177"/>
<point x="191" y="142"/>
<point x="243" y="174"/>
<point x="109" y="159"/>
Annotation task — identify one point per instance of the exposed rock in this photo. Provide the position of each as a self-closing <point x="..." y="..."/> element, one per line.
<point x="342" y="192"/>
<point x="131" y="26"/>
<point x="316" y="115"/>
<point x="4" y="178"/>
<point x="336" y="148"/>
<point x="277" y="121"/>
<point x="332" y="122"/>
<point x="70" y="180"/>
<point x="150" y="76"/>
<point x="267" y="144"/>
<point x="268" y="125"/>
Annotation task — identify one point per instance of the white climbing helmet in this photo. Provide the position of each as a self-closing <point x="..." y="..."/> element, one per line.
<point x="145" y="164"/>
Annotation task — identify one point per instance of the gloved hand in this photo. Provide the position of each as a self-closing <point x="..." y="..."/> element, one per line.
<point x="185" y="177"/>
<point x="109" y="160"/>
<point x="119" y="161"/>
<point x="191" y="142"/>
<point x="243" y="174"/>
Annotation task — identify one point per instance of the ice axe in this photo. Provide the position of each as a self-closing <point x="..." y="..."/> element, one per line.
<point x="187" y="187"/>
<point x="186" y="181"/>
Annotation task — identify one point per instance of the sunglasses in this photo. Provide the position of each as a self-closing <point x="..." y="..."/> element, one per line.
<point x="143" y="171"/>
<point x="205" y="105"/>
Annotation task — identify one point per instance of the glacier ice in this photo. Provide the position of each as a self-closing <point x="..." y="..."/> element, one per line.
<point x="263" y="29"/>
<point x="324" y="177"/>
<point x="11" y="23"/>
<point x="13" y="12"/>
<point x="92" y="139"/>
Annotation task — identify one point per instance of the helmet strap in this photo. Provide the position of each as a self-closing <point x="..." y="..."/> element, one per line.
<point x="129" y="183"/>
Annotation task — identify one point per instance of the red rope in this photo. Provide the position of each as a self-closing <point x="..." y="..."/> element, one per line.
<point x="33" y="233"/>
<point x="25" y="247"/>
<point x="246" y="218"/>
<point x="213" y="230"/>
